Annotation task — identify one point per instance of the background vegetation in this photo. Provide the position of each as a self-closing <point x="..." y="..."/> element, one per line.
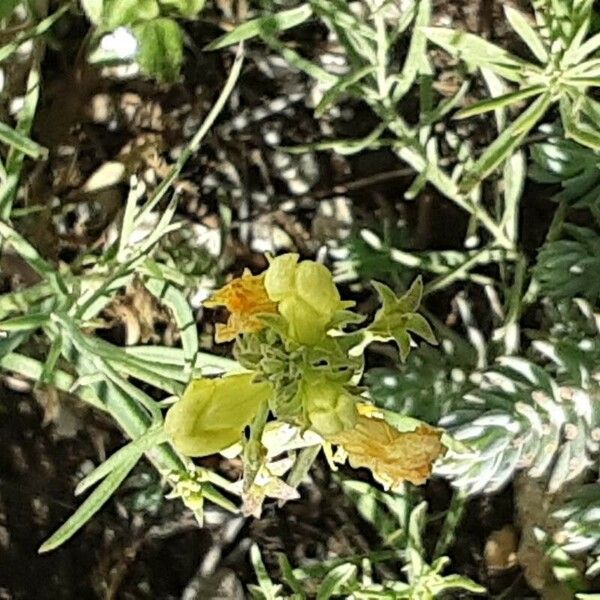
<point x="151" y="149"/>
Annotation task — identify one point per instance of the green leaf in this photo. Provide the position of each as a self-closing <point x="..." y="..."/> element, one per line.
<point x="176" y="301"/>
<point x="161" y="49"/>
<point x="93" y="10"/>
<point x="269" y="25"/>
<point x="575" y="128"/>
<point x="90" y="507"/>
<point x="33" y="32"/>
<point x="416" y="323"/>
<point x="32" y="257"/>
<point x="32" y="321"/>
<point x="515" y="174"/>
<point x="6" y="7"/>
<point x="269" y="591"/>
<point x="506" y="143"/>
<point x="345" y="82"/>
<point x="131" y="452"/>
<point x="287" y="574"/>
<point x="411" y="300"/>
<point x="52" y="359"/>
<point x="452" y="582"/>
<point x="575" y="57"/>
<point x="335" y="580"/>
<point x="416" y="59"/>
<point x="17" y="140"/>
<point x="299" y="62"/>
<point x="126" y="12"/>
<point x="527" y="33"/>
<point x="33" y="369"/>
<point x="499" y="101"/>
<point x="185" y="8"/>
<point x="480" y="53"/>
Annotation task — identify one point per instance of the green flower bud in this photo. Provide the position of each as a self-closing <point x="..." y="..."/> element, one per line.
<point x="212" y="413"/>
<point x="307" y="296"/>
<point x="279" y="277"/>
<point x="330" y="409"/>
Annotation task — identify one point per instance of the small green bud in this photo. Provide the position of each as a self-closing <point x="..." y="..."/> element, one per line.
<point x="329" y="408"/>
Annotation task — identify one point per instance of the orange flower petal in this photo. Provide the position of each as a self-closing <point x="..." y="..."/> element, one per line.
<point x="391" y="455"/>
<point x="245" y="298"/>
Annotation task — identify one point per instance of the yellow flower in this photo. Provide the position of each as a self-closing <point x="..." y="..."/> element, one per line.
<point x="212" y="413"/>
<point x="392" y="456"/>
<point x="306" y="295"/>
<point x="245" y="298"/>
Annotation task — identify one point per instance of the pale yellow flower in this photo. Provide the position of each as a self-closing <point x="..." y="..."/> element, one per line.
<point x="212" y="413"/>
<point x="392" y="456"/>
<point x="245" y="298"/>
<point x="306" y="295"/>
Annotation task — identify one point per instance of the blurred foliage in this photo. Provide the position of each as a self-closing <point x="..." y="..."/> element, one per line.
<point x="570" y="266"/>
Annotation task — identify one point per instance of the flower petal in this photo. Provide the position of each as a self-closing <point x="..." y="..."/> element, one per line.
<point x="391" y="455"/>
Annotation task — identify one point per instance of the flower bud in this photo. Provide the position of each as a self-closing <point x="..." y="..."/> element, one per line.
<point x="212" y="413"/>
<point x="307" y="296"/>
<point x="330" y="409"/>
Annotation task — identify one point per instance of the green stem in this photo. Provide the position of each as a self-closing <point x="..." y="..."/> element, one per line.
<point x="553" y="234"/>
<point x="462" y="271"/>
<point x="515" y="306"/>
<point x="254" y="450"/>
<point x="304" y="462"/>
<point x="451" y="522"/>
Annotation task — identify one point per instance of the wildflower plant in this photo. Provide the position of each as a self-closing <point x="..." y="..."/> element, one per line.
<point x="519" y="393"/>
<point x="302" y="367"/>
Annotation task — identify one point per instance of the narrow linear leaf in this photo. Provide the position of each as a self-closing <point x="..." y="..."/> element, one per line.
<point x="335" y="580"/>
<point x="288" y="576"/>
<point x="33" y="32"/>
<point x="33" y="369"/>
<point x="575" y="129"/>
<point x="269" y="25"/>
<point x="527" y="33"/>
<point x="588" y="47"/>
<point x="515" y="174"/>
<point x="176" y="301"/>
<point x="31" y="255"/>
<point x="499" y="101"/>
<point x="480" y="53"/>
<point x="131" y="452"/>
<point x="22" y="143"/>
<point x="52" y="359"/>
<point x="90" y="507"/>
<point x="416" y="59"/>
<point x="32" y="321"/>
<point x="299" y="62"/>
<point x="345" y="82"/>
<point x="267" y="587"/>
<point x="506" y="143"/>
<point x="14" y="161"/>
<point x="195" y="142"/>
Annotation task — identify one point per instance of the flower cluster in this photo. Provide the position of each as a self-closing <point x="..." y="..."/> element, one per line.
<point x="303" y="369"/>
